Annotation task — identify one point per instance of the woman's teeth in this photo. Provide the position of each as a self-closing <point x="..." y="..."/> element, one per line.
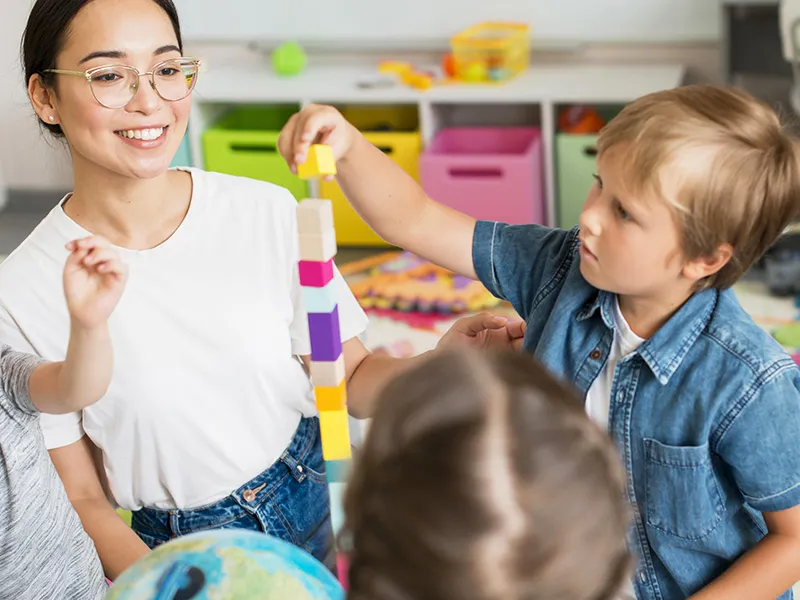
<point x="142" y="134"/>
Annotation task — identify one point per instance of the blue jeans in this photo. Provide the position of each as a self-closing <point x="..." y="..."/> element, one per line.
<point x="289" y="501"/>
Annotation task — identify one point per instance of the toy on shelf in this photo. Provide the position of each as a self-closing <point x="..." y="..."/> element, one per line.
<point x="489" y="52"/>
<point x="289" y="59"/>
<point x="317" y="244"/>
<point x="404" y="282"/>
<point x="407" y="74"/>
<point x="579" y="119"/>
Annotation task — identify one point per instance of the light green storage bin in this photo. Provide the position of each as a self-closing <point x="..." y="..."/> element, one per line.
<point x="245" y="143"/>
<point x="575" y="166"/>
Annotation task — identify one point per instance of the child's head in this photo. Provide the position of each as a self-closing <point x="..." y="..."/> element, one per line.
<point x="483" y="478"/>
<point x="694" y="184"/>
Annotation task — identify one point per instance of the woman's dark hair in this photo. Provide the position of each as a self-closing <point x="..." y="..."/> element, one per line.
<point x="482" y="478"/>
<point x="47" y="31"/>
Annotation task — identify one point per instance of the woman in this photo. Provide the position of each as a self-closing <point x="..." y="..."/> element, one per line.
<point x="209" y="421"/>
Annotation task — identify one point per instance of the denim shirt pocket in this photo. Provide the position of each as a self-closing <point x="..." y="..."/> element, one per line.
<point x="683" y="497"/>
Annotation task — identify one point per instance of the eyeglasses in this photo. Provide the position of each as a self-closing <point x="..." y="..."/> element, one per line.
<point x="114" y="86"/>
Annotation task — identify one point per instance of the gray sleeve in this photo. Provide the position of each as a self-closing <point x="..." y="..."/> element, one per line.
<point x="15" y="375"/>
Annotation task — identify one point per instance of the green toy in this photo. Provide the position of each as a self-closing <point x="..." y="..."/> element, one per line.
<point x="289" y="59"/>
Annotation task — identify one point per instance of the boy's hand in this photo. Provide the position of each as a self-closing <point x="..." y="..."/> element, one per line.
<point x="486" y="332"/>
<point x="94" y="278"/>
<point x="315" y="124"/>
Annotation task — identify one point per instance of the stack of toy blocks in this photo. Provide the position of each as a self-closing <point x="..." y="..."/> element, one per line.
<point x="317" y="250"/>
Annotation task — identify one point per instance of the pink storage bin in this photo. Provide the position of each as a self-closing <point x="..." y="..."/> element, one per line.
<point x="489" y="173"/>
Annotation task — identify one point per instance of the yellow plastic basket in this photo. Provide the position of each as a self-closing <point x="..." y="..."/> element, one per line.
<point x="491" y="52"/>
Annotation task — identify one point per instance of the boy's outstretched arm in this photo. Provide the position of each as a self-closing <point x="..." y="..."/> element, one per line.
<point x="383" y="194"/>
<point x="94" y="279"/>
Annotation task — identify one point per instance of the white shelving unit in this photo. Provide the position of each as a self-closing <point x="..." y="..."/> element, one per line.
<point x="533" y="98"/>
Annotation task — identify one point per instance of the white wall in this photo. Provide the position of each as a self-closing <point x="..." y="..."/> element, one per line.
<point x="28" y="159"/>
<point x="32" y="160"/>
<point x="419" y="20"/>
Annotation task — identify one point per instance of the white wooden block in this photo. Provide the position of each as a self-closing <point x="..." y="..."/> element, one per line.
<point x="314" y="216"/>
<point x="319" y="247"/>
<point x="327" y="373"/>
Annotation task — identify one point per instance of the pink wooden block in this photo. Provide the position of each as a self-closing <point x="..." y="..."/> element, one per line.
<point x="342" y="567"/>
<point x="315" y="274"/>
<point x="796" y="358"/>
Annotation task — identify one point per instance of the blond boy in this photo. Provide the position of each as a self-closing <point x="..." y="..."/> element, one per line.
<point x="634" y="308"/>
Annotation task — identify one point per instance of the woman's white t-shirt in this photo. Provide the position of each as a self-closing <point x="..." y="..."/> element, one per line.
<point x="207" y="388"/>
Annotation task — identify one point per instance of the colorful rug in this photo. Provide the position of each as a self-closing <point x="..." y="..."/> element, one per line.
<point x="411" y="303"/>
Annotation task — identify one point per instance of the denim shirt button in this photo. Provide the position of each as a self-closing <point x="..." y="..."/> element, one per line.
<point x="595" y="355"/>
<point x="642" y="576"/>
<point x="299" y="468"/>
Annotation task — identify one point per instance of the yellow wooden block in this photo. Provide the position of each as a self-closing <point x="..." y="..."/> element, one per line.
<point x="331" y="398"/>
<point x="335" y="432"/>
<point x="320" y="162"/>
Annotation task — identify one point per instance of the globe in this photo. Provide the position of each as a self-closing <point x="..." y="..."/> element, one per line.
<point x="229" y="564"/>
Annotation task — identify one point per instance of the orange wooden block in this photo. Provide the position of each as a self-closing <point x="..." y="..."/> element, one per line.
<point x="331" y="398"/>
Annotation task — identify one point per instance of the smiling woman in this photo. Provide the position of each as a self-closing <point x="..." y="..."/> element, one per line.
<point x="210" y="418"/>
<point x="82" y="64"/>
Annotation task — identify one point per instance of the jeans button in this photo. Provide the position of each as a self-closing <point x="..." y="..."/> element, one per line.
<point x="299" y="468"/>
<point x="249" y="495"/>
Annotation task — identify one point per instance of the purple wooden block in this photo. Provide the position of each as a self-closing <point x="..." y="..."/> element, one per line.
<point x="326" y="339"/>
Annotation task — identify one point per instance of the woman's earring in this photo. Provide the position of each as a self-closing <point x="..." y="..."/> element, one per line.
<point x="52" y="118"/>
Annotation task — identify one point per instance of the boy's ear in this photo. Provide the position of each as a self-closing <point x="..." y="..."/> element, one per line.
<point x="706" y="266"/>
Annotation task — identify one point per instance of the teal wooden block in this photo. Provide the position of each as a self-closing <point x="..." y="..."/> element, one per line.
<point x="320" y="299"/>
<point x="337" y="471"/>
<point x="336" y="491"/>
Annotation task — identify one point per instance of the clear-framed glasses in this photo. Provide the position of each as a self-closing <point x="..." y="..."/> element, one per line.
<point x="114" y="86"/>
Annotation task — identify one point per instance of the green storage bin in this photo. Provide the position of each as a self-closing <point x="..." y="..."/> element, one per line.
<point x="245" y="143"/>
<point x="575" y="166"/>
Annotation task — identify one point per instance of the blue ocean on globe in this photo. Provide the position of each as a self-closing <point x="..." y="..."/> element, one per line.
<point x="228" y="564"/>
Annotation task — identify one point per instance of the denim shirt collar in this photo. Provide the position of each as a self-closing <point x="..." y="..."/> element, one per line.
<point x="664" y="352"/>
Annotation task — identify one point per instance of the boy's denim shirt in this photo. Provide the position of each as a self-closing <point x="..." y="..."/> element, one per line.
<point x="706" y="413"/>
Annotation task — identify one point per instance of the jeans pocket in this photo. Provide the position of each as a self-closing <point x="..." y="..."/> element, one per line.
<point x="314" y="466"/>
<point x="683" y="498"/>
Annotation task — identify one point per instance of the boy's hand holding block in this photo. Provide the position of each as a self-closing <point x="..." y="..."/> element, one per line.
<point x="319" y="163"/>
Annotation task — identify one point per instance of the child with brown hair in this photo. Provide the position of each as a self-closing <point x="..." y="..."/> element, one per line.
<point x="482" y="478"/>
<point x="634" y="308"/>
